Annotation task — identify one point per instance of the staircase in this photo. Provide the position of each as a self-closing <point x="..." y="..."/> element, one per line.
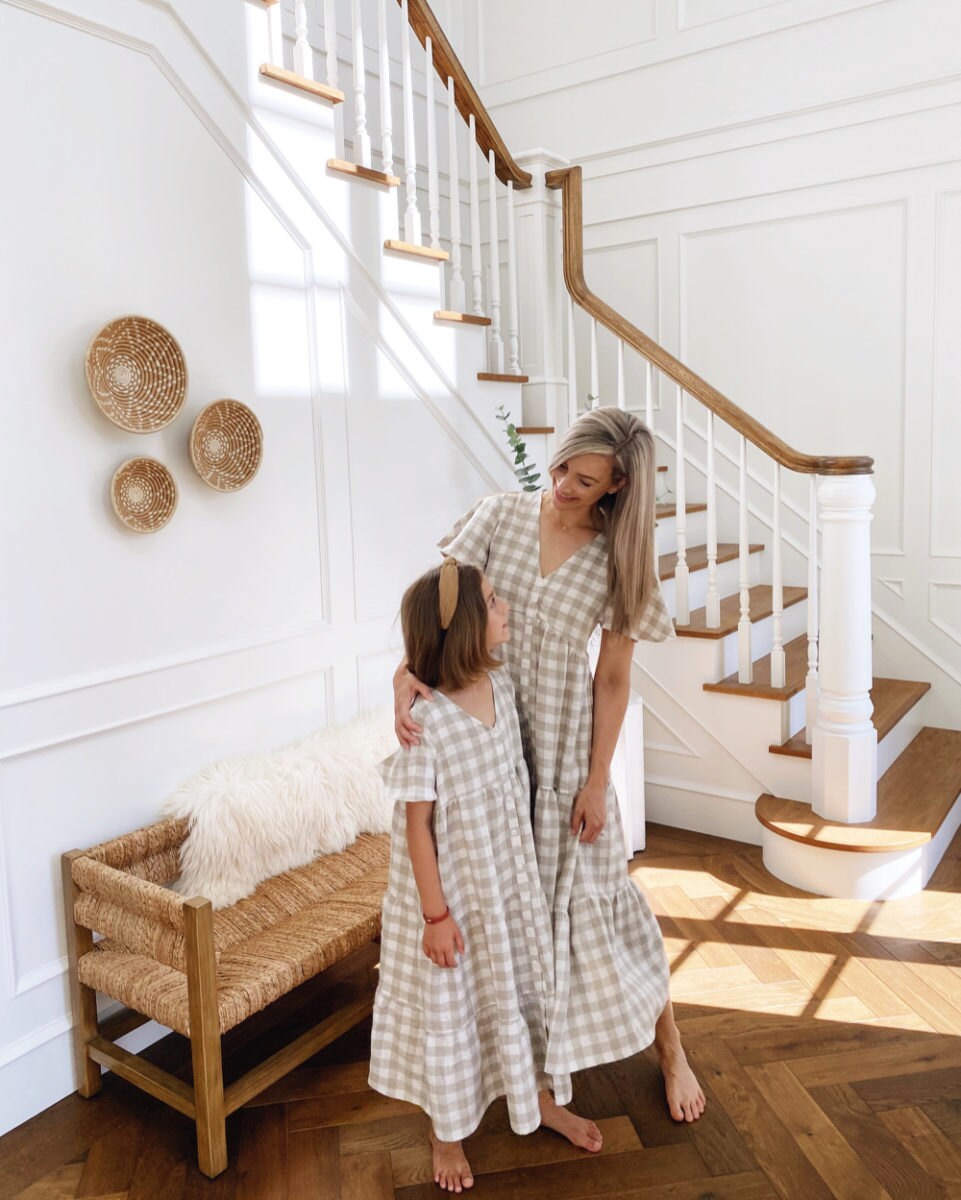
<point x="764" y="721"/>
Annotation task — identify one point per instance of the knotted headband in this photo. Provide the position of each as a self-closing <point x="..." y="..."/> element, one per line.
<point x="448" y="588"/>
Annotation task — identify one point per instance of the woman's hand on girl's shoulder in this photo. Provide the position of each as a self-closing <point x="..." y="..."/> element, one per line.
<point x="589" y="815"/>
<point x="407" y="687"/>
<point x="442" y="943"/>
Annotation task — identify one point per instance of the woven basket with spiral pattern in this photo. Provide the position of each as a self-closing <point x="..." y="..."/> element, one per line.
<point x="143" y="494"/>
<point x="226" y="445"/>
<point x="136" y="374"/>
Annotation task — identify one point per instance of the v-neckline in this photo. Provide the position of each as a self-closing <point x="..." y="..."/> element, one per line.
<point x="540" y="556"/>
<point x="470" y="716"/>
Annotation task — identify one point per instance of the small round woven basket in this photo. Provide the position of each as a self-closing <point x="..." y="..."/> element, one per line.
<point x="136" y="374"/>
<point x="143" y="494"/>
<point x="226" y="445"/>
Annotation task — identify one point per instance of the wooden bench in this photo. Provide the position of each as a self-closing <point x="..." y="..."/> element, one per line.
<point x="200" y="972"/>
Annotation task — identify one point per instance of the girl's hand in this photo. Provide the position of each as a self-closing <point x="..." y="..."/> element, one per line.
<point x="441" y="941"/>
<point x="590" y="812"/>
<point x="407" y="688"/>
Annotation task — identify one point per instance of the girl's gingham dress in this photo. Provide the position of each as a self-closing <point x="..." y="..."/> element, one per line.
<point x="451" y="1040"/>
<point x="610" y="970"/>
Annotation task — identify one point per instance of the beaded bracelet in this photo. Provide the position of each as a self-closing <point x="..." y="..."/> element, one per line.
<point x="437" y="920"/>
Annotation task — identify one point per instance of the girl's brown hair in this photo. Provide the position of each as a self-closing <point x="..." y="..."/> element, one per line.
<point x="448" y="658"/>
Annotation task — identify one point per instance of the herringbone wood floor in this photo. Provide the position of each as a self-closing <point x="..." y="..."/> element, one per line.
<point x="827" y="1035"/>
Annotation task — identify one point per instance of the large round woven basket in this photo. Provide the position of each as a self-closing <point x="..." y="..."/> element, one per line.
<point x="226" y="445"/>
<point x="136" y="374"/>
<point x="143" y="494"/>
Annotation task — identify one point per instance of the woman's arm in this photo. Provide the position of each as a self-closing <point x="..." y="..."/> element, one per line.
<point x="612" y="689"/>
<point x="407" y="687"/>
<point x="443" y="939"/>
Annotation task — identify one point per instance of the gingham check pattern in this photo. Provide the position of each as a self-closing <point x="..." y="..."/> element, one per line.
<point x="453" y="1039"/>
<point x="610" y="970"/>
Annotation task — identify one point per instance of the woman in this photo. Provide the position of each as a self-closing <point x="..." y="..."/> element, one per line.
<point x="577" y="556"/>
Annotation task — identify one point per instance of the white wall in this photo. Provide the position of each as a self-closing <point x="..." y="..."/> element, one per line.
<point x="147" y="171"/>
<point x="774" y="191"/>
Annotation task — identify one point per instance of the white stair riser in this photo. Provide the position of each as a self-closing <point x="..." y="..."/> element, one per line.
<point x="727" y="581"/>
<point x="901" y="736"/>
<point x="666" y="532"/>
<point x="794" y="623"/>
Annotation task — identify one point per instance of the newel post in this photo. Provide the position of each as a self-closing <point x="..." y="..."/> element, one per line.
<point x="845" y="742"/>
<point x="542" y="295"/>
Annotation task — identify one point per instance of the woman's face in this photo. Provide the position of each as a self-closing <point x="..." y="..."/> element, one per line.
<point x="582" y="480"/>
<point x="497" y="630"/>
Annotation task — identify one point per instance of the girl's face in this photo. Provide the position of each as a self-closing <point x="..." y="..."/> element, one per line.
<point x="581" y="481"/>
<point x="497" y="609"/>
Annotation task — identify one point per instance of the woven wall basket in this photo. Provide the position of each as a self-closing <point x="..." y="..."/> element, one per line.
<point x="226" y="445"/>
<point x="143" y="494"/>
<point x="136" y="374"/>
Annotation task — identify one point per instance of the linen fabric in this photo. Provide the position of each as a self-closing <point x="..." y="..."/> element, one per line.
<point x="451" y="1040"/>
<point x="611" y="976"/>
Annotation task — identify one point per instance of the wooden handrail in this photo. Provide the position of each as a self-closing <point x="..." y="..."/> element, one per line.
<point x="446" y="63"/>
<point x="568" y="179"/>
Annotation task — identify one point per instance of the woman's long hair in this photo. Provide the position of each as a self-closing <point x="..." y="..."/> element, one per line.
<point x="627" y="514"/>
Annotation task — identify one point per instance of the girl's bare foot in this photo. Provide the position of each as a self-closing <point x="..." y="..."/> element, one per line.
<point x="578" y="1130"/>
<point x="452" y="1171"/>
<point x="685" y="1100"/>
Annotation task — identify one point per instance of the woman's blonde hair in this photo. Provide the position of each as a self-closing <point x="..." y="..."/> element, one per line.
<point x="627" y="514"/>
<point x="445" y="627"/>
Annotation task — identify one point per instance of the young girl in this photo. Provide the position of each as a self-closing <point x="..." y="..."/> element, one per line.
<point x="466" y="975"/>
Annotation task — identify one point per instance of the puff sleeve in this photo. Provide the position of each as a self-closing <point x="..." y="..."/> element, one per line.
<point x="654" y="623"/>
<point x="470" y="539"/>
<point x="410" y="775"/>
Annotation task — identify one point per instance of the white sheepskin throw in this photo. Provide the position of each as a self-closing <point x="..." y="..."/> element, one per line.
<point x="251" y="818"/>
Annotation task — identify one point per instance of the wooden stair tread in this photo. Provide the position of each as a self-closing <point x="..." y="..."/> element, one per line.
<point x="664" y="512"/>
<point x="761" y="607"/>
<point x="795" y="674"/>
<point x="496" y="377"/>
<point x="459" y="318"/>
<point x="914" y="798"/>
<point x="662" y="468"/>
<point x="530" y="430"/>
<point x="697" y="558"/>
<point x="310" y="86"/>
<point x="415" y="251"/>
<point x="892" y="698"/>
<point x="343" y="167"/>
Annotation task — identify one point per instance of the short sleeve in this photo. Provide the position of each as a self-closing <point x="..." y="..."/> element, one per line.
<point x="409" y="775"/>
<point x="470" y="539"/>
<point x="654" y="623"/>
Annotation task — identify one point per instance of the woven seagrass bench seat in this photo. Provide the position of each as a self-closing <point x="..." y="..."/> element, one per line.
<point x="199" y="972"/>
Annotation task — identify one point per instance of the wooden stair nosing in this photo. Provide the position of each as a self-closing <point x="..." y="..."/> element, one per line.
<point x="501" y="377"/>
<point x="664" y="512"/>
<point x="310" y="86"/>
<point x="343" y="166"/>
<point x="697" y="558"/>
<point x="795" y="675"/>
<point x="415" y="251"/>
<point x="915" y="797"/>
<point x="892" y="699"/>
<point x="762" y="606"/>
<point x="459" y="318"/>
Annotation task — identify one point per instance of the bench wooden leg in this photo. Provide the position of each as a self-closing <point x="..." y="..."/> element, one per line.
<point x="205" y="1037"/>
<point x="83" y="999"/>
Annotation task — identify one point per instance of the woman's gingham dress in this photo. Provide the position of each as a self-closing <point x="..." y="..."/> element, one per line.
<point x="610" y="970"/>
<point x="451" y="1040"/>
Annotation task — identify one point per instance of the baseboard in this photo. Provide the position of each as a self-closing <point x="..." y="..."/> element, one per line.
<point x="728" y="815"/>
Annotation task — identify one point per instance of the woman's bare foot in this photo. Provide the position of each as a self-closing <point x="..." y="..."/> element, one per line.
<point x="452" y="1171"/>
<point x="578" y="1130"/>
<point x="685" y="1100"/>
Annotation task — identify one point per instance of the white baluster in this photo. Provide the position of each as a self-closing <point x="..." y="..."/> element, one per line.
<point x="513" y="331"/>
<point x="595" y="399"/>
<point x="361" y="136"/>
<point x="712" y="603"/>
<point x="330" y="41"/>
<point x="476" y="271"/>
<point x="649" y="394"/>
<point x="573" y="406"/>
<point x="811" y="682"/>
<point x="682" y="600"/>
<point x="458" y="295"/>
<point x="412" y="229"/>
<point x="433" y="191"/>
<point x="275" y="32"/>
<point x="778" y="665"/>
<point x="386" y="109"/>
<point x="494" y="294"/>
<point x="745" y="658"/>
<point x="303" y="55"/>
<point x="621" y="382"/>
